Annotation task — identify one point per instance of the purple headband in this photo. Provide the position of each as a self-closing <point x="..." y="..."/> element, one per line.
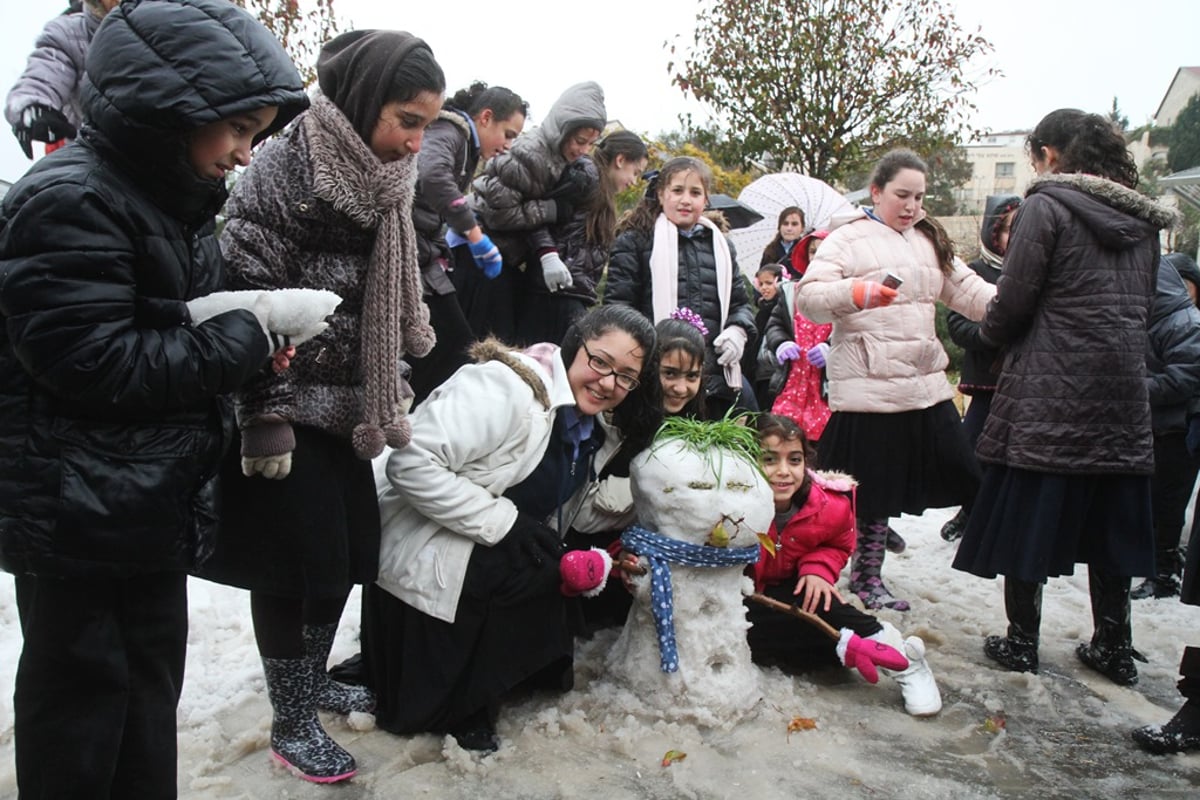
<point x="690" y="317"/>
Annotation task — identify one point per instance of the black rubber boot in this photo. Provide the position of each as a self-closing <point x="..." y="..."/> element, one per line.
<point x="340" y="698"/>
<point x="1180" y="735"/>
<point x="1111" y="650"/>
<point x="477" y="732"/>
<point x="297" y="739"/>
<point x="1018" y="651"/>
<point x="953" y="529"/>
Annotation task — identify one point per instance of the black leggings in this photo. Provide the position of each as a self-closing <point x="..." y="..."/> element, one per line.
<point x="279" y="621"/>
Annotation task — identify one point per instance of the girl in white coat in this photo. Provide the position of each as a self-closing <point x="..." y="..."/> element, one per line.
<point x="894" y="426"/>
<point x="468" y="605"/>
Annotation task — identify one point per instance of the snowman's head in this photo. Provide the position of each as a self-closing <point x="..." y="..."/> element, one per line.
<point x="701" y="475"/>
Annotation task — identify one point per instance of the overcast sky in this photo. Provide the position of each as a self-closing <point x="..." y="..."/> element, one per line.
<point x="1053" y="53"/>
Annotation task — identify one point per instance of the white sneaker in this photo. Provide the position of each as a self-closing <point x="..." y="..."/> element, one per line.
<point x="920" y="690"/>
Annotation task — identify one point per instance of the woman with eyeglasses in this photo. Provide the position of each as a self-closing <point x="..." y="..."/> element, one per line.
<point x="468" y="604"/>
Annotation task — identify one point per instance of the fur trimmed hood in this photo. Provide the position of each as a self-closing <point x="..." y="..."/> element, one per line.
<point x="492" y="349"/>
<point x="1083" y="193"/>
<point x="832" y="480"/>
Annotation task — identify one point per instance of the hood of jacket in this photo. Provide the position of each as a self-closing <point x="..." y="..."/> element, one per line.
<point x="151" y="80"/>
<point x="1185" y="265"/>
<point x="994" y="209"/>
<point x="1119" y="217"/>
<point x="580" y="106"/>
<point x="1170" y="295"/>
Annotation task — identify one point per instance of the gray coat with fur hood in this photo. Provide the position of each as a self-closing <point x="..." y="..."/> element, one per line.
<point x="1071" y="309"/>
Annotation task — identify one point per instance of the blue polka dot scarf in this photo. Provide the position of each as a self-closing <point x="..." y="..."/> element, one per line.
<point x="662" y="552"/>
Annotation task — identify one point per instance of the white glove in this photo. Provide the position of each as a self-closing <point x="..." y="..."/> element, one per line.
<point x="729" y="345"/>
<point x="555" y="273"/>
<point x="275" y="467"/>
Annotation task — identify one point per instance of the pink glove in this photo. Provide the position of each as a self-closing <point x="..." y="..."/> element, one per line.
<point x="865" y="655"/>
<point x="872" y="294"/>
<point x="817" y="354"/>
<point x="788" y="351"/>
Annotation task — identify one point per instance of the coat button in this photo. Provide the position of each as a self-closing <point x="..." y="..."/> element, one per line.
<point x="303" y="207"/>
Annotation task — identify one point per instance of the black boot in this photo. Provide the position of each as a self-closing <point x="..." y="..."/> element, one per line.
<point x="1111" y="650"/>
<point x="953" y="529"/>
<point x="340" y="698"/>
<point x="477" y="732"/>
<point x="1180" y="735"/>
<point x="1158" y="586"/>
<point x="297" y="739"/>
<point x="1018" y="650"/>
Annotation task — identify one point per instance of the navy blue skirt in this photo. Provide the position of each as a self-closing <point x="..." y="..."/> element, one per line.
<point x="1037" y="525"/>
<point x="904" y="462"/>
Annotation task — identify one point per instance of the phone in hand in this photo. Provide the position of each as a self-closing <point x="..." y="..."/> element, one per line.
<point x="892" y="281"/>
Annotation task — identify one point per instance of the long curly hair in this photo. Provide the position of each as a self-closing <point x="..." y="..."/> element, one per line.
<point x="1087" y="143"/>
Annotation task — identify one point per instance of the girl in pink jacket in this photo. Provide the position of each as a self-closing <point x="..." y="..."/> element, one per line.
<point x="814" y="534"/>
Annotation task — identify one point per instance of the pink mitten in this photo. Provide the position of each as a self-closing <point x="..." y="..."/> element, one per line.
<point x="865" y="655"/>
<point x="584" y="572"/>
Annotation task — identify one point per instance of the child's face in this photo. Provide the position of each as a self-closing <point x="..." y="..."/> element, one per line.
<point x="626" y="173"/>
<point x="791" y="228"/>
<point x="768" y="285"/>
<point x="783" y="464"/>
<point x="216" y="148"/>
<point x="579" y="144"/>
<point x="680" y="377"/>
<point x="400" y="126"/>
<point x="899" y="202"/>
<point x="813" y="244"/>
<point x="1002" y="234"/>
<point x="497" y="135"/>
<point x="683" y="199"/>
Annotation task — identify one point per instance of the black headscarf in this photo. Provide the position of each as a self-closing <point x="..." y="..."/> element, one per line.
<point x="355" y="71"/>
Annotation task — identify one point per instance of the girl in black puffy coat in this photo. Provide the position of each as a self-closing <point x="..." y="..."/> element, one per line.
<point x="113" y="417"/>
<point x="669" y="254"/>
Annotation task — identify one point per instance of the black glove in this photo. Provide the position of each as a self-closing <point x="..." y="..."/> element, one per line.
<point x="563" y="209"/>
<point x="534" y="541"/>
<point x="43" y="124"/>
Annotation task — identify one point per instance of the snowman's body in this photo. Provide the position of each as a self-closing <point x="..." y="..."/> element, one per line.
<point x="682" y="494"/>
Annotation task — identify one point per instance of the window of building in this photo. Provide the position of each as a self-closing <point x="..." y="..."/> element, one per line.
<point x="1006" y="169"/>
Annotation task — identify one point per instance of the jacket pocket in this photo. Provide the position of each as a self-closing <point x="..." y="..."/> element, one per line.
<point x="128" y="493"/>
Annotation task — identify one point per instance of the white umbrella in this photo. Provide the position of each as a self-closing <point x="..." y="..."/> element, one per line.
<point x="770" y="195"/>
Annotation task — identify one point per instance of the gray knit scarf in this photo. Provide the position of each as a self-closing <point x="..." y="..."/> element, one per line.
<point x="395" y="320"/>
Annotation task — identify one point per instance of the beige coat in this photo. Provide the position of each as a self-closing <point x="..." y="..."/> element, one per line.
<point x="889" y="359"/>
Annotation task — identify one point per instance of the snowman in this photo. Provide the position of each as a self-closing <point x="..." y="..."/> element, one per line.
<point x="701" y="501"/>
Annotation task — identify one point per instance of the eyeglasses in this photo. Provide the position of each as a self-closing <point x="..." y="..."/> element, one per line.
<point x="601" y="367"/>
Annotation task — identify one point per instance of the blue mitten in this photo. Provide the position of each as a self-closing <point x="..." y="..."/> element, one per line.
<point x="487" y="256"/>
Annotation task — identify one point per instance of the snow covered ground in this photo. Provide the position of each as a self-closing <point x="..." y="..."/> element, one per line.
<point x="1065" y="732"/>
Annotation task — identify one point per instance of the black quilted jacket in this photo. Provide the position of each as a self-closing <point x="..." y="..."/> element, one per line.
<point x="1071" y="309"/>
<point x="111" y="412"/>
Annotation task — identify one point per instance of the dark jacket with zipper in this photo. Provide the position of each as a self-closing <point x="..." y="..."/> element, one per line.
<point x="112" y="416"/>
<point x="1071" y="310"/>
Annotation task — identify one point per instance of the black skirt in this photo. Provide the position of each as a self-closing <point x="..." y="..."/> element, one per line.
<point x="1037" y="525"/>
<point x="313" y="534"/>
<point x="510" y="629"/>
<point x="907" y="462"/>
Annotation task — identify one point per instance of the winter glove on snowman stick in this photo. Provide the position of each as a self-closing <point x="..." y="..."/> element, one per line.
<point x="867" y="655"/>
<point x="267" y="449"/>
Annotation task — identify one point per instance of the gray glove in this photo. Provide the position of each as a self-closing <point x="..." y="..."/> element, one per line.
<point x="555" y="273"/>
